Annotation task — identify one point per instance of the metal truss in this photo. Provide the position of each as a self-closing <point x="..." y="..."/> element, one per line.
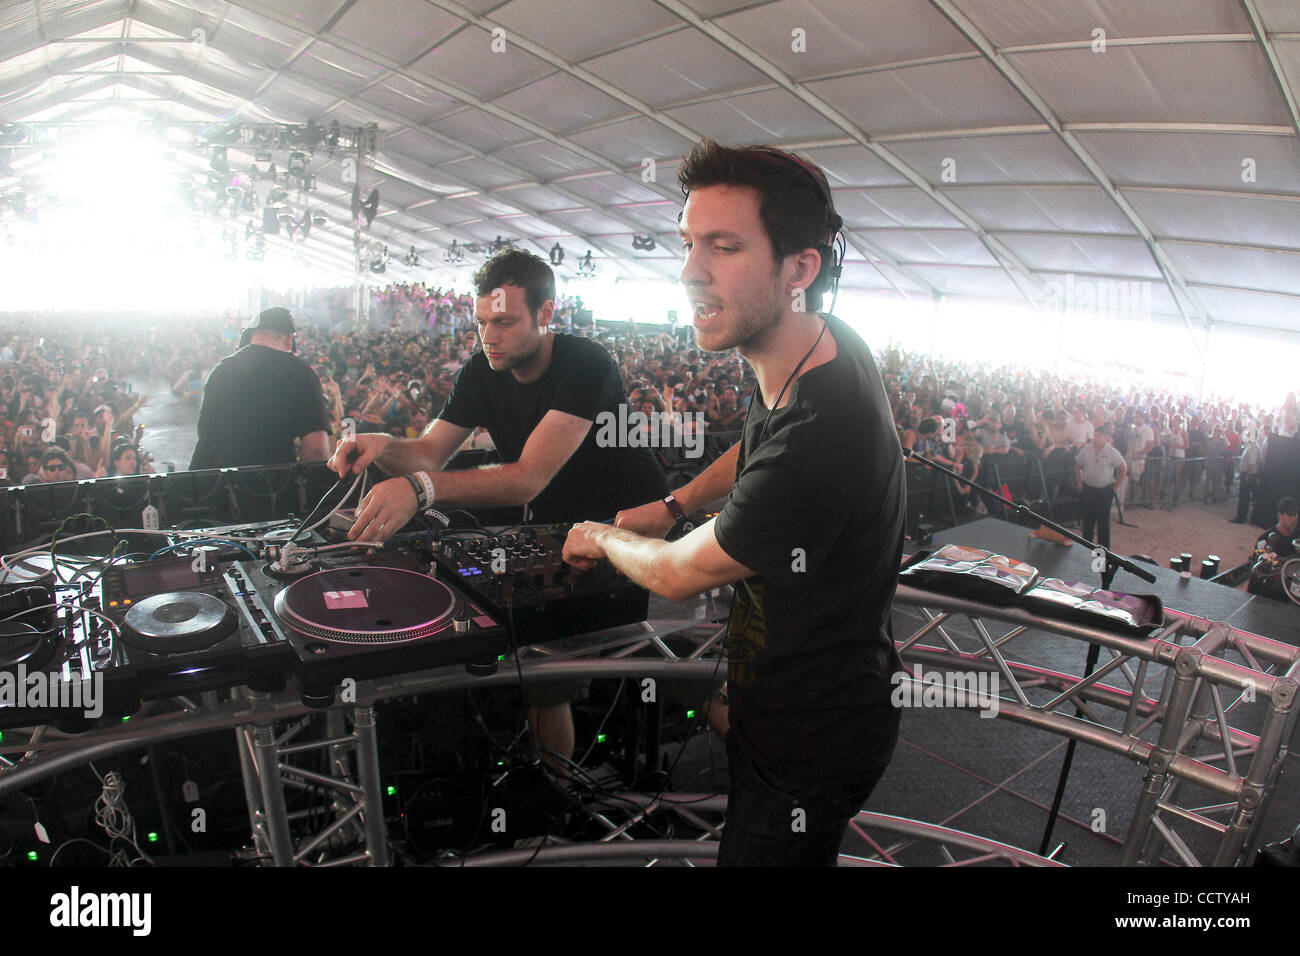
<point x="1205" y="672"/>
<point x="705" y="812"/>
<point x="356" y="833"/>
<point x="1170" y="705"/>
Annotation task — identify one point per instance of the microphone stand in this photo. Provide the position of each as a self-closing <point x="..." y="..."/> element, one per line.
<point x="1113" y="564"/>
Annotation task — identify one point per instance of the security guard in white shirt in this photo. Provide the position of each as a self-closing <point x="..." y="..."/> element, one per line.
<point x="1099" y="470"/>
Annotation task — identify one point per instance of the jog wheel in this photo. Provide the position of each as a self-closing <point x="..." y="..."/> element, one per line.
<point x="178" y="622"/>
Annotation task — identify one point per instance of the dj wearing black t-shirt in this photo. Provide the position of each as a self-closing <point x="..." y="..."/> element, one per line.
<point x="539" y="395"/>
<point x="812" y="527"/>
<point x="258" y="400"/>
<point x="583" y="381"/>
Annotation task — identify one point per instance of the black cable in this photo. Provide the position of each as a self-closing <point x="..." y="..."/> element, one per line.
<point x="604" y="720"/>
<point x="469" y="514"/>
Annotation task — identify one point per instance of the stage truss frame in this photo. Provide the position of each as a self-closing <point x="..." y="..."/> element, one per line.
<point x="1194" y="740"/>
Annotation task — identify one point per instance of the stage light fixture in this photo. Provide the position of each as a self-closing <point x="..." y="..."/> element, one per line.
<point x="219" y="162"/>
<point x="453" y="254"/>
<point x="644" y="243"/>
<point x="586" y="265"/>
<point x="412" y="258"/>
<point x="311" y="136"/>
<point x="557" y="255"/>
<point x="263" y="165"/>
<point x="370" y="206"/>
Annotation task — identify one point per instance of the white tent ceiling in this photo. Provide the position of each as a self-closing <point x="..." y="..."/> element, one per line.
<point x="977" y="148"/>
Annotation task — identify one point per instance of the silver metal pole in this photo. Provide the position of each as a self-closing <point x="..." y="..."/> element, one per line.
<point x="252" y="796"/>
<point x="372" y="799"/>
<point x="1270" y="749"/>
<point x="1185" y="666"/>
<point x="266" y="760"/>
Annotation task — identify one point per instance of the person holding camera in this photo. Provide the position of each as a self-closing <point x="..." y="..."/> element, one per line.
<point x="1273" y="549"/>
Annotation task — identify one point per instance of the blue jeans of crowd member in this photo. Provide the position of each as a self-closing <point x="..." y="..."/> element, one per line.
<point x="763" y="828"/>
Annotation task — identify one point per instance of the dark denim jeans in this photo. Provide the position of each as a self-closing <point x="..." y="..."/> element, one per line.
<point x="763" y="827"/>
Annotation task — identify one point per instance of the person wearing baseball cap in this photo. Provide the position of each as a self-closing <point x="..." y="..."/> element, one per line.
<point x="1273" y="549"/>
<point x="258" y="400"/>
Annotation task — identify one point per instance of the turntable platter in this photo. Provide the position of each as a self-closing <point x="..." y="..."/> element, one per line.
<point x="177" y="622"/>
<point x="366" y="605"/>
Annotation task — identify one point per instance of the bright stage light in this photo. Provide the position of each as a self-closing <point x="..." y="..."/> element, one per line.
<point x="114" y="232"/>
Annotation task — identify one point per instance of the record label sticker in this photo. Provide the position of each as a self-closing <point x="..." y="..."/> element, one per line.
<point x="342" y="600"/>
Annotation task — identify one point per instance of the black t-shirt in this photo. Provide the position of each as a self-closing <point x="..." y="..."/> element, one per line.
<point x="256" y="402"/>
<point x="1018" y="434"/>
<point x="582" y="380"/>
<point x="817" y="512"/>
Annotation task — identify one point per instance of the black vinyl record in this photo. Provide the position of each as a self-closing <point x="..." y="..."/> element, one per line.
<point x="366" y="605"/>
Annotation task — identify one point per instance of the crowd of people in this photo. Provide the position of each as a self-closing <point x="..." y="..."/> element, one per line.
<point x="70" y="385"/>
<point x="68" y="398"/>
<point x="68" y="391"/>
<point x="395" y="380"/>
<point x="414" y="306"/>
<point x="999" y="425"/>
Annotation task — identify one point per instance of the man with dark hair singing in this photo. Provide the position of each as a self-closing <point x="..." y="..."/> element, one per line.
<point x="538" y="394"/>
<point x="812" y="528"/>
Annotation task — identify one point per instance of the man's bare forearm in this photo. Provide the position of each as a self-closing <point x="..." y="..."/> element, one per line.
<point x="407" y="455"/>
<point x="636" y="556"/>
<point x="492" y="486"/>
<point x="712" y="484"/>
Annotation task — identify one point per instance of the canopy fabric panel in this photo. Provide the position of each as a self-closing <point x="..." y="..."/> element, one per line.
<point x="975" y="148"/>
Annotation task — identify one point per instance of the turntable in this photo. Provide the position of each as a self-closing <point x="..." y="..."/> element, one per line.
<point x="363" y="622"/>
<point x="366" y="605"/>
